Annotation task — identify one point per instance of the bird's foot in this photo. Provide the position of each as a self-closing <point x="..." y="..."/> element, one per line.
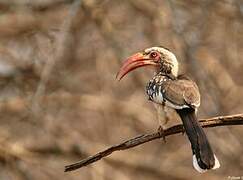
<point x="162" y="133"/>
<point x="183" y="131"/>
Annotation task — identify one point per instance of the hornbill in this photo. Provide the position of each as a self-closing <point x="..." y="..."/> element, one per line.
<point x="178" y="92"/>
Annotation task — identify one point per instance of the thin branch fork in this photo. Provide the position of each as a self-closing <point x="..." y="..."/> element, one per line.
<point x="141" y="139"/>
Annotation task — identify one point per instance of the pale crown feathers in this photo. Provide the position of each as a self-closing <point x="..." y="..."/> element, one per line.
<point x="167" y="56"/>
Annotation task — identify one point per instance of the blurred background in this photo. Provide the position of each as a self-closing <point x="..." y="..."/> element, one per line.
<point x="60" y="102"/>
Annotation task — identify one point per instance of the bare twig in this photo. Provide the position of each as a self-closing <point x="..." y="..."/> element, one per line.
<point x="58" y="54"/>
<point x="141" y="139"/>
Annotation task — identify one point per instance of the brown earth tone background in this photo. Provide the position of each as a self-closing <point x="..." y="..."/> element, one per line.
<point x="59" y="100"/>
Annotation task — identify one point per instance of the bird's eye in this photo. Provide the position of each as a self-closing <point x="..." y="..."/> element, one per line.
<point x="153" y="54"/>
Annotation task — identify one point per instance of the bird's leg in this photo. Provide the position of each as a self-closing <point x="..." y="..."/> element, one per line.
<point x="163" y="119"/>
<point x="183" y="131"/>
<point x="162" y="132"/>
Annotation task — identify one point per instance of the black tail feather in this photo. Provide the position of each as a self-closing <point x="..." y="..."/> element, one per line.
<point x="199" y="142"/>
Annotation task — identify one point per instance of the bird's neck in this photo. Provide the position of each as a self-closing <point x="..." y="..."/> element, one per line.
<point x="168" y="69"/>
<point x="169" y="75"/>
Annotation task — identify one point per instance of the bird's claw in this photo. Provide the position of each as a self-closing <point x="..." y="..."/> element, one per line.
<point x="183" y="131"/>
<point x="162" y="133"/>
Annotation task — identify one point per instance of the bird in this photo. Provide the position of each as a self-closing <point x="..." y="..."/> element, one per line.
<point x="177" y="92"/>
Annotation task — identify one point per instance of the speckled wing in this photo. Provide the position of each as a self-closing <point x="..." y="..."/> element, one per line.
<point x="182" y="93"/>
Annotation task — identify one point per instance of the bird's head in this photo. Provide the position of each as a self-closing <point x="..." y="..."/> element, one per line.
<point x="159" y="57"/>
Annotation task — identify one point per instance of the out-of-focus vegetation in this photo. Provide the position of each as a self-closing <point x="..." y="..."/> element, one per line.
<point x="60" y="101"/>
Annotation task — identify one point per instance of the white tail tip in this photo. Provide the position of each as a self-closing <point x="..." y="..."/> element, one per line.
<point x="217" y="164"/>
<point x="197" y="167"/>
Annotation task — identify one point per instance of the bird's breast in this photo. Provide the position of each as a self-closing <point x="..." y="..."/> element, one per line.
<point x="159" y="90"/>
<point x="156" y="88"/>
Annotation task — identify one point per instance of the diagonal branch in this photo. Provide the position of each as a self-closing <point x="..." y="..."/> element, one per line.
<point x="141" y="139"/>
